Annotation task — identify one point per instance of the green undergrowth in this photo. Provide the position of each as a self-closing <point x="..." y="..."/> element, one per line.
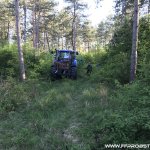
<point x="72" y="115"/>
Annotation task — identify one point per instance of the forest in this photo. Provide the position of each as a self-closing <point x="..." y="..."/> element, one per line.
<point x="111" y="105"/>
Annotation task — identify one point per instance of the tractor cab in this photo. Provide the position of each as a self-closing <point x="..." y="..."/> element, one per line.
<point x="62" y="55"/>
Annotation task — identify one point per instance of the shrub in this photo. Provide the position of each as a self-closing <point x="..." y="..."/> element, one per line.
<point x="13" y="94"/>
<point x="116" y="68"/>
<point x="8" y="63"/>
<point x="127" y="120"/>
<point x="43" y="69"/>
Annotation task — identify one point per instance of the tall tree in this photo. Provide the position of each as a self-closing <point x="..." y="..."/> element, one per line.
<point x="88" y="34"/>
<point x="76" y="7"/>
<point x="25" y="21"/>
<point x="123" y="9"/>
<point x="42" y="14"/>
<point x="6" y="20"/>
<point x="133" y="66"/>
<point x="20" y="53"/>
<point x="105" y="31"/>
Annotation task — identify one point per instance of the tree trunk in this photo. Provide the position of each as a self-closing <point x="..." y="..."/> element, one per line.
<point x="66" y="42"/>
<point x="74" y="28"/>
<point x="44" y="33"/>
<point x="133" y="66"/>
<point x="8" y="32"/>
<point x="44" y="40"/>
<point x="58" y="42"/>
<point x="148" y="11"/>
<point x="25" y="22"/>
<point x="37" y="20"/>
<point x="5" y="36"/>
<point x="124" y="3"/>
<point x="35" y="26"/>
<point x="149" y="7"/>
<point x="33" y="20"/>
<point x="88" y="43"/>
<point x="47" y="40"/>
<point x="62" y="43"/>
<point x="74" y="36"/>
<point x="20" y="53"/>
<point x="37" y="30"/>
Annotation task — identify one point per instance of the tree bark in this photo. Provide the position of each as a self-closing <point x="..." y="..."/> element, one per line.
<point x="33" y="20"/>
<point x="37" y="19"/>
<point x="124" y="3"/>
<point x="25" y="22"/>
<point x="44" y="40"/>
<point x="58" y="42"/>
<point x="149" y="7"/>
<point x="20" y="53"/>
<point x="74" y="36"/>
<point x="8" y="32"/>
<point x="74" y="28"/>
<point x="37" y="30"/>
<point x="47" y="40"/>
<point x="148" y="11"/>
<point x="133" y="66"/>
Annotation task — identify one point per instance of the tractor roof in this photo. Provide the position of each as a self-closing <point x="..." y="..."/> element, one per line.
<point x="66" y="51"/>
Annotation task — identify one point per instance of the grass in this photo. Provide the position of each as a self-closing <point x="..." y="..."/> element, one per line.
<point x="66" y="115"/>
<point x="53" y="118"/>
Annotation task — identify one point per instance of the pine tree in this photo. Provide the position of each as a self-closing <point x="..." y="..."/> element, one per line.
<point x="75" y="7"/>
<point x="20" y="53"/>
<point x="133" y="66"/>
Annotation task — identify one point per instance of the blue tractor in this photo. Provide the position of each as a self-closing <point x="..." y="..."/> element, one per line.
<point x="64" y="64"/>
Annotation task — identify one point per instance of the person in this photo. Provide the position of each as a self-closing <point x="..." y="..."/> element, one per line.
<point x="89" y="69"/>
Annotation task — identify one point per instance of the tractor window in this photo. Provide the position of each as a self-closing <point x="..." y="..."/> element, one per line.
<point x="64" y="55"/>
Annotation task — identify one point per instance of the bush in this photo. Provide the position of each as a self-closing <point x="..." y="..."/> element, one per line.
<point x="13" y="94"/>
<point x="8" y="62"/>
<point x="36" y="66"/>
<point x="115" y="68"/>
<point x="43" y="69"/>
<point x="129" y="119"/>
<point x="124" y="119"/>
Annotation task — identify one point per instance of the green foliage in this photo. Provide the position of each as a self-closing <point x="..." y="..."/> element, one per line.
<point x="107" y="67"/>
<point x="145" y="72"/>
<point x="82" y="115"/>
<point x="114" y="63"/>
<point x="114" y="69"/>
<point x="14" y="94"/>
<point x="144" y="49"/>
<point x="8" y="62"/>
<point x="100" y="56"/>
<point x="43" y="68"/>
<point x="127" y="119"/>
<point x="122" y="39"/>
<point x="36" y="66"/>
<point x="105" y="30"/>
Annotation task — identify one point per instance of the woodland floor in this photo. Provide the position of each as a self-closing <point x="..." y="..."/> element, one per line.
<point x="58" y="118"/>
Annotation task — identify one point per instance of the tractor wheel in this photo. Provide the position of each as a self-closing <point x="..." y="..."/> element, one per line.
<point x="73" y="73"/>
<point x="53" y="74"/>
